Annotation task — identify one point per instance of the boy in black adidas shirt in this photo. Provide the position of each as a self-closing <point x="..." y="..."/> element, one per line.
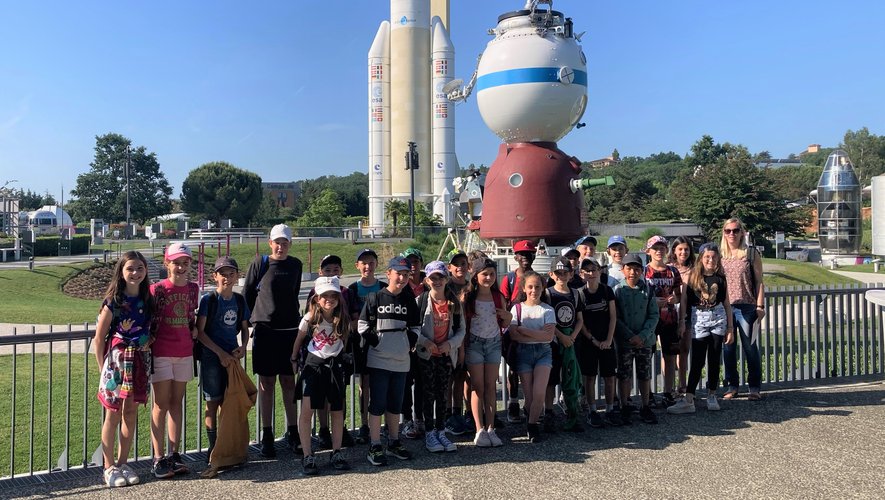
<point x="389" y="324"/>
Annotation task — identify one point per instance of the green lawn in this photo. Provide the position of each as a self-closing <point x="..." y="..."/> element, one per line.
<point x="790" y="273"/>
<point x="36" y="297"/>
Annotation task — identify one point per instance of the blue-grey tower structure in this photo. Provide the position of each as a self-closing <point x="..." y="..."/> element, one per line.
<point x="839" y="207"/>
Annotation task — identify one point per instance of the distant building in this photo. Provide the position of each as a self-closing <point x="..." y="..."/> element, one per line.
<point x="284" y="193"/>
<point x="779" y="162"/>
<point x="604" y="162"/>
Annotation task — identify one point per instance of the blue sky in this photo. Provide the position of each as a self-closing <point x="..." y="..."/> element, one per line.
<point x="279" y="88"/>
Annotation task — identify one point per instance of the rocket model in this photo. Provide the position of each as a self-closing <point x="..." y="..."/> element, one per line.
<point x="410" y="62"/>
<point x="839" y="207"/>
<point x="531" y="85"/>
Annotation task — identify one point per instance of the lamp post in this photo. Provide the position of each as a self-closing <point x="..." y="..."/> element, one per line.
<point x="128" y="213"/>
<point x="411" y="166"/>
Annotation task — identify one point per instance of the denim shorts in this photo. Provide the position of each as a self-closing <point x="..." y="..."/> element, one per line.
<point x="482" y="351"/>
<point x="529" y="356"/>
<point x="213" y="376"/>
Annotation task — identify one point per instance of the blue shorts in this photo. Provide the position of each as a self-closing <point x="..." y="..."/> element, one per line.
<point x="386" y="389"/>
<point x="213" y="376"/>
<point x="530" y="356"/>
<point x="482" y="351"/>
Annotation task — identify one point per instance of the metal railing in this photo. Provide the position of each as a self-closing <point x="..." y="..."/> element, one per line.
<point x="52" y="420"/>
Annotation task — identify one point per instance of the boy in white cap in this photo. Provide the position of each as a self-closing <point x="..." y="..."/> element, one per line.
<point x="273" y="283"/>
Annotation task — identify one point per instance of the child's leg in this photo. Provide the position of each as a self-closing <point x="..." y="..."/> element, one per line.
<point x="490" y="377"/>
<point x="426" y="367"/>
<point x="267" y="385"/>
<point x="643" y="373"/>
<point x="442" y="379"/>
<point x="609" y="387"/>
<point x="669" y="362"/>
<point x="590" y="390"/>
<point x="109" y="435"/>
<point x="714" y="355"/>
<point x="174" y="414"/>
<point x="536" y="383"/>
<point x="304" y="427"/>
<point x="364" y="398"/>
<point x="127" y="430"/>
<point x="477" y="392"/>
<point x="698" y="356"/>
<point x="287" y="384"/>
<point x="162" y="392"/>
<point x="210" y="418"/>
<point x="337" y="428"/>
<point x="377" y="402"/>
<point x="682" y="360"/>
<point x="527" y="380"/>
<point x="323" y="416"/>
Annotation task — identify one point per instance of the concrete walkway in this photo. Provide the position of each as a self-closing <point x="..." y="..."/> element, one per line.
<point x="866" y="278"/>
<point x="796" y="443"/>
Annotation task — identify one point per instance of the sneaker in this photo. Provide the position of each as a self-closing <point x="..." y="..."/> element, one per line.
<point x="613" y="418"/>
<point x="177" y="464"/>
<point x="376" y="455"/>
<point x="431" y="442"/>
<point x="653" y="401"/>
<point x="548" y="423"/>
<point x="396" y="449"/>
<point x="444" y="441"/>
<point x="162" y="469"/>
<point x="309" y="466"/>
<point x="293" y="441"/>
<point x="363" y="436"/>
<point x="338" y="461"/>
<point x="681" y="407"/>
<point x="712" y="403"/>
<point x="347" y="439"/>
<point x="113" y="477"/>
<point x="626" y="414"/>
<point x="453" y="426"/>
<point x="494" y="439"/>
<point x="482" y="439"/>
<point x="409" y="430"/>
<point x="668" y="400"/>
<point x="647" y="415"/>
<point x="595" y="419"/>
<point x="129" y="474"/>
<point x="325" y="438"/>
<point x="534" y="433"/>
<point x="268" y="448"/>
<point x="514" y="414"/>
<point x="469" y="424"/>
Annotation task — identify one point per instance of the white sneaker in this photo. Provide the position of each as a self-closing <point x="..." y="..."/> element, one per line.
<point x="113" y="477"/>
<point x="482" y="439"/>
<point x="682" y="406"/>
<point x="495" y="440"/>
<point x="129" y="474"/>
<point x="712" y="403"/>
<point x="445" y="442"/>
<point x="431" y="442"/>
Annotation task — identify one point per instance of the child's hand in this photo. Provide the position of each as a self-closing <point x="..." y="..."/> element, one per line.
<point x="636" y="341"/>
<point x="445" y="348"/>
<point x="681" y="329"/>
<point x="662" y="302"/>
<point x="504" y="316"/>
<point x="239" y="352"/>
<point x="605" y="344"/>
<point x="565" y="340"/>
<point x="226" y="359"/>
<point x="194" y="334"/>
<point x="729" y="336"/>
<point x="433" y="349"/>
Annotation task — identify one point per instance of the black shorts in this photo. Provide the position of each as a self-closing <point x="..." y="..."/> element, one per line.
<point x="272" y="351"/>
<point x="324" y="384"/>
<point x="668" y="336"/>
<point x="594" y="361"/>
<point x="556" y="369"/>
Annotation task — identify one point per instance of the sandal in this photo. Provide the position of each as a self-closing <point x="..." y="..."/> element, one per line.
<point x="730" y="394"/>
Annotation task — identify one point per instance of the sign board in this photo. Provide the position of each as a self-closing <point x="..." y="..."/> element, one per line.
<point x="779" y="237"/>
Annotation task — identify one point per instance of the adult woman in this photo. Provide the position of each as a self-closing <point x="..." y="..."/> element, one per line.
<point x="746" y="293"/>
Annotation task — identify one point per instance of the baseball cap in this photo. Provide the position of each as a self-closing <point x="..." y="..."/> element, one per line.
<point x="565" y="252"/>
<point x="330" y="259"/>
<point x="412" y="251"/>
<point x="632" y="258"/>
<point x="584" y="240"/>
<point x="399" y="264"/>
<point x="325" y="284"/>
<point x="366" y="251"/>
<point x="616" y="240"/>
<point x="480" y="264"/>
<point x="225" y="262"/>
<point x="655" y="240"/>
<point x="561" y="264"/>
<point x="176" y="250"/>
<point x="436" y="267"/>
<point x="589" y="261"/>
<point x="455" y="253"/>
<point x="524" y="246"/>
<point x="280" y="231"/>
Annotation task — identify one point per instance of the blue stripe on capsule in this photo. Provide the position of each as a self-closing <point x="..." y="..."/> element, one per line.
<point x="526" y="75"/>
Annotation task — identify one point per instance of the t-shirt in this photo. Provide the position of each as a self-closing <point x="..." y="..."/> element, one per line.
<point x="663" y="284"/>
<point x="176" y="314"/>
<point x="485" y="323"/>
<point x="394" y="316"/>
<point x="276" y="302"/>
<point x="133" y="319"/>
<point x="596" y="310"/>
<point x="534" y="318"/>
<point x="223" y="329"/>
<point x="322" y="341"/>
<point x="713" y="292"/>
<point x="417" y="288"/>
<point x="564" y="306"/>
<point x="440" y="314"/>
<point x="615" y="273"/>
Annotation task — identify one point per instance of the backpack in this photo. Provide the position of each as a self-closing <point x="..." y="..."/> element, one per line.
<point x="422" y="308"/>
<point x="262" y="270"/>
<point x="115" y="321"/>
<point x="211" y="311"/>
<point x="510" y="283"/>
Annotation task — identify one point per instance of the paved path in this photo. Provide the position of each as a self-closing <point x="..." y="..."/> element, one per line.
<point x="797" y="443"/>
<point x="867" y="278"/>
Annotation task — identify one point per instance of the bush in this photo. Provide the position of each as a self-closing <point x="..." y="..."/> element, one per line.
<point x="652" y="231"/>
<point x="47" y="246"/>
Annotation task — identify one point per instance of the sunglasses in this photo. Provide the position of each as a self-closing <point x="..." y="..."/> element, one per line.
<point x="736" y="230"/>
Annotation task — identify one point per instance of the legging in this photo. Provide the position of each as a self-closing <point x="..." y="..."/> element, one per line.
<point x="707" y="349"/>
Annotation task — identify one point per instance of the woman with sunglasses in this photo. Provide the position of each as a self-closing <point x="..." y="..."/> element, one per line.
<point x="746" y="293"/>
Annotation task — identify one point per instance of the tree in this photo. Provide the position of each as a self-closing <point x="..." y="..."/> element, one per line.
<point x="793" y="182"/>
<point x="101" y="192"/>
<point x="762" y="156"/>
<point x="219" y="190"/>
<point x="267" y="214"/>
<point x="731" y="186"/>
<point x="353" y="191"/>
<point x="395" y="211"/>
<point x="29" y="200"/>
<point x="325" y="211"/>
<point x="867" y="153"/>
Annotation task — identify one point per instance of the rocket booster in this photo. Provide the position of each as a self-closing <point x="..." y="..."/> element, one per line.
<point x="445" y="163"/>
<point x="379" y="123"/>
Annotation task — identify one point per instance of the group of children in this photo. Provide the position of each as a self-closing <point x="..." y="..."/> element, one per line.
<point x="423" y="342"/>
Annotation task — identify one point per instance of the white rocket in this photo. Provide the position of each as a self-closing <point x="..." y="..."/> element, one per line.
<point x="410" y="61"/>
